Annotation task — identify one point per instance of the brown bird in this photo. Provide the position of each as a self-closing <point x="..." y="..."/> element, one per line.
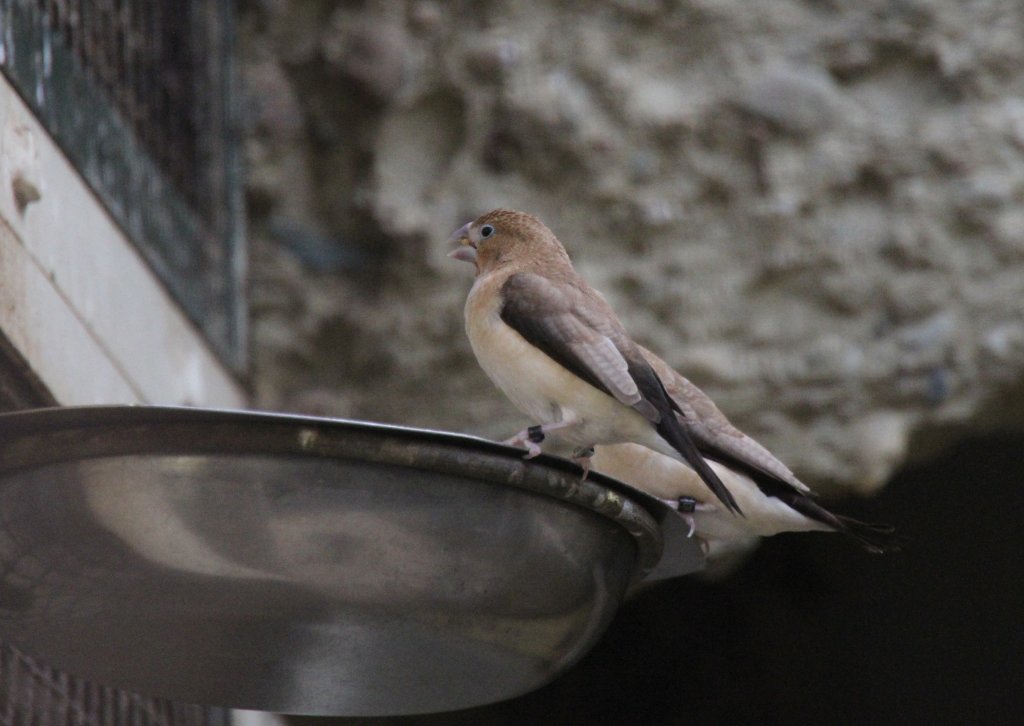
<point x="555" y="347"/>
<point x="772" y="498"/>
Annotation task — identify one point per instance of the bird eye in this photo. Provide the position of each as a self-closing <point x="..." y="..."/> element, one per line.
<point x="486" y="231"/>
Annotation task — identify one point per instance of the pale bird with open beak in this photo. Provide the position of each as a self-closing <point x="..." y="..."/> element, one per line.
<point x="554" y="346"/>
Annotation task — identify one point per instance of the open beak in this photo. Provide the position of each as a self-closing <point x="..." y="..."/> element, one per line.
<point x="466" y="250"/>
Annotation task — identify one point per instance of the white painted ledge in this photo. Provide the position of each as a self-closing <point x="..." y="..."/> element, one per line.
<point x="77" y="300"/>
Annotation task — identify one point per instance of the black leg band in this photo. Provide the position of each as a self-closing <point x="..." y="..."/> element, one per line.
<point x="687" y="505"/>
<point x="535" y="434"/>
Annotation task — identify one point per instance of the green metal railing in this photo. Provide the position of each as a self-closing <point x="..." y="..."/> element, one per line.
<point x="140" y="96"/>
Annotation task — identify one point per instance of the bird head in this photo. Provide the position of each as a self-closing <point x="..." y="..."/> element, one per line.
<point x="503" y="238"/>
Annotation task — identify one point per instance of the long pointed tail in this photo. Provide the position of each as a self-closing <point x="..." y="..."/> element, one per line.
<point x="876" y="538"/>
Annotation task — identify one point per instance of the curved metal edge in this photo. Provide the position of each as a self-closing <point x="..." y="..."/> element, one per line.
<point x="93" y="431"/>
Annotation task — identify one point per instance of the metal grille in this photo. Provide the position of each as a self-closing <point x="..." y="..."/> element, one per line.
<point x="141" y="55"/>
<point x="34" y="694"/>
<point x="139" y="95"/>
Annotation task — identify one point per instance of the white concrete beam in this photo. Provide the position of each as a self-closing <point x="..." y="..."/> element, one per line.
<point x="76" y="298"/>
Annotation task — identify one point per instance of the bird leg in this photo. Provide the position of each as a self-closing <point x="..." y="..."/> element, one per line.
<point x="582" y="457"/>
<point x="686" y="506"/>
<point x="532" y="436"/>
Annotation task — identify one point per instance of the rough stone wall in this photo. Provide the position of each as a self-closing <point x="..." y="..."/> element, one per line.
<point x="815" y="209"/>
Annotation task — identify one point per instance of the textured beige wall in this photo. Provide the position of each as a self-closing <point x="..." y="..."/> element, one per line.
<point x="813" y="209"/>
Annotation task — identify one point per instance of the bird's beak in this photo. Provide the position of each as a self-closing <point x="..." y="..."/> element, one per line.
<point x="466" y="250"/>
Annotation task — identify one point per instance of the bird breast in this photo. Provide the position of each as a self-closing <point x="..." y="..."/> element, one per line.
<point x="537" y="385"/>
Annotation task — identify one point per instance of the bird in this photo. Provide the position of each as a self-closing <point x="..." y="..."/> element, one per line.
<point x="773" y="499"/>
<point x="555" y="347"/>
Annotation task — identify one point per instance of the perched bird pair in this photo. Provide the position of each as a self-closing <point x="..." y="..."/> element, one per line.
<point x="555" y="347"/>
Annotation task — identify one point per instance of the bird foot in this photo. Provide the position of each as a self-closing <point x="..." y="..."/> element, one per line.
<point x="582" y="457"/>
<point x="691" y="523"/>
<point x="530" y="438"/>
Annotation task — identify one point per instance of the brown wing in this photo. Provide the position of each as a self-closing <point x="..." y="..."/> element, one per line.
<point x="552" y="316"/>
<point x="579" y="331"/>
<point x="717" y="438"/>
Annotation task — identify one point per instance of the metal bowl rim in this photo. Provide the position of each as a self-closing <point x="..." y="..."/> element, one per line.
<point x="320" y="437"/>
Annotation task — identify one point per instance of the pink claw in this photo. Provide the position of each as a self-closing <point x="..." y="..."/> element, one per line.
<point x="532" y="449"/>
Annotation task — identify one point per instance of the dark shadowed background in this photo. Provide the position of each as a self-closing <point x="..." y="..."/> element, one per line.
<point x="812" y="630"/>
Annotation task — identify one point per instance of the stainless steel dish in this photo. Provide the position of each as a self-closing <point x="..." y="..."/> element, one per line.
<point x="306" y="565"/>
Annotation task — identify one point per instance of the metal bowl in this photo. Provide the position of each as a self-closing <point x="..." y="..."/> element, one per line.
<point x="305" y="565"/>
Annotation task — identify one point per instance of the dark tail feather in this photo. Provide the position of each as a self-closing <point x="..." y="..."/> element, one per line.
<point x="673" y="433"/>
<point x="875" y="538"/>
